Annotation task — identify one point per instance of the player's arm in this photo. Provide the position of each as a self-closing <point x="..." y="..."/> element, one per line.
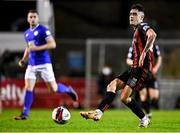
<point x="157" y="65"/>
<point x="51" y="44"/>
<point x="151" y="36"/>
<point x="24" y="58"/>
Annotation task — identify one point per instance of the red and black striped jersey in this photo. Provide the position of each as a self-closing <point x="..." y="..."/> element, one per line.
<point x="156" y="52"/>
<point x="138" y="44"/>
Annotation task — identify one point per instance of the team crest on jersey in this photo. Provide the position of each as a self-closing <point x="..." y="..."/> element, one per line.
<point x="48" y="32"/>
<point x="145" y="27"/>
<point x="36" y="33"/>
<point x="27" y="35"/>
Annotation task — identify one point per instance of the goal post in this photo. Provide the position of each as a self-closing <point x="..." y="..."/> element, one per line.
<point x="101" y="43"/>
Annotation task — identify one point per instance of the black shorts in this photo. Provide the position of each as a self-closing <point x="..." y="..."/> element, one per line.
<point x="135" y="78"/>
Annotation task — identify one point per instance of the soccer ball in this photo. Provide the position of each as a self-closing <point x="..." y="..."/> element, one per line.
<point x="61" y="115"/>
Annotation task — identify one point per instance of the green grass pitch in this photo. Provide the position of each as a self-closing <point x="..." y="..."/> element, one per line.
<point x="119" y="120"/>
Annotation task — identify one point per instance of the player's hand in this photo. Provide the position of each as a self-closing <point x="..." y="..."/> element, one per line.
<point x="21" y="63"/>
<point x="154" y="71"/>
<point x="141" y="59"/>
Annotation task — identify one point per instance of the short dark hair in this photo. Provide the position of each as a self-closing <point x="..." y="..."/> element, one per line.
<point x="33" y="11"/>
<point x="139" y="7"/>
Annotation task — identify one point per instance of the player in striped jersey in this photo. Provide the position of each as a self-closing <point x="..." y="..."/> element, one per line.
<point x="135" y="77"/>
<point x="149" y="95"/>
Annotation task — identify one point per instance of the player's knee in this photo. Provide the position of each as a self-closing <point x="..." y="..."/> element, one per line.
<point x="125" y="99"/>
<point x="28" y="88"/>
<point x="143" y="98"/>
<point x="52" y="86"/>
<point x="54" y="89"/>
<point x="112" y="86"/>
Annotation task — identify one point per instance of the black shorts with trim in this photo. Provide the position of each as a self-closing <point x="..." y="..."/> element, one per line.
<point x="135" y="78"/>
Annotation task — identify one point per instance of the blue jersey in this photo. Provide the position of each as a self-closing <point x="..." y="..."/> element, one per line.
<point x="37" y="36"/>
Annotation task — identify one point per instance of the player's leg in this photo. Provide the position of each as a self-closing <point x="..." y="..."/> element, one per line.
<point x="115" y="85"/>
<point x="154" y="97"/>
<point x="154" y="92"/>
<point x="134" y="106"/>
<point x="28" y="99"/>
<point x="144" y="100"/>
<point x="106" y="102"/>
<point x="131" y="103"/>
<point x="61" y="88"/>
<point x="30" y="80"/>
<point x="136" y="80"/>
<point x="0" y="105"/>
<point x="48" y="75"/>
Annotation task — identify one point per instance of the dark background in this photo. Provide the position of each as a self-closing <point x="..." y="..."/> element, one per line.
<point x="94" y="18"/>
<point x="78" y="20"/>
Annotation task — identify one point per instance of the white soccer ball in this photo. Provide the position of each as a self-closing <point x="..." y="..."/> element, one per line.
<point x="61" y="115"/>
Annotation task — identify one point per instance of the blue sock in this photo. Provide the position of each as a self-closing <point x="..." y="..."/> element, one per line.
<point x="63" y="88"/>
<point x="27" y="102"/>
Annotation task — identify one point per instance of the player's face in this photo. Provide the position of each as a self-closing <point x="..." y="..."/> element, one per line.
<point x="135" y="17"/>
<point x="33" y="19"/>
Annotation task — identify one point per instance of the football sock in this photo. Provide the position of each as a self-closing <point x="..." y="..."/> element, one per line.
<point x="27" y="102"/>
<point x="99" y="112"/>
<point x="63" y="88"/>
<point x="155" y="103"/>
<point x="146" y="106"/>
<point x="134" y="106"/>
<point x="107" y="101"/>
<point x="68" y="90"/>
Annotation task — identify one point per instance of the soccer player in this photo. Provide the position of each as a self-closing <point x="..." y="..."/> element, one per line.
<point x="151" y="89"/>
<point x="104" y="78"/>
<point x="135" y="77"/>
<point x="0" y="101"/>
<point x="39" y="41"/>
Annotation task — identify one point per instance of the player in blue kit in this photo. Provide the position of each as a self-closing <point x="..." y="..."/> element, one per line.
<point x="39" y="40"/>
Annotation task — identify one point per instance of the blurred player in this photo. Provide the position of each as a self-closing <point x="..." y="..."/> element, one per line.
<point x="151" y="91"/>
<point x="135" y="77"/>
<point x="1" y="70"/>
<point x="104" y="78"/>
<point x="0" y="99"/>
<point x="39" y="40"/>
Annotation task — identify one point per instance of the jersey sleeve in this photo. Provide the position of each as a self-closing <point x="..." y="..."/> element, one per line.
<point x="144" y="27"/>
<point x="45" y="32"/>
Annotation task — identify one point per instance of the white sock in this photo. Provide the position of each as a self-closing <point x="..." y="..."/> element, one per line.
<point x="99" y="112"/>
<point x="145" y="117"/>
